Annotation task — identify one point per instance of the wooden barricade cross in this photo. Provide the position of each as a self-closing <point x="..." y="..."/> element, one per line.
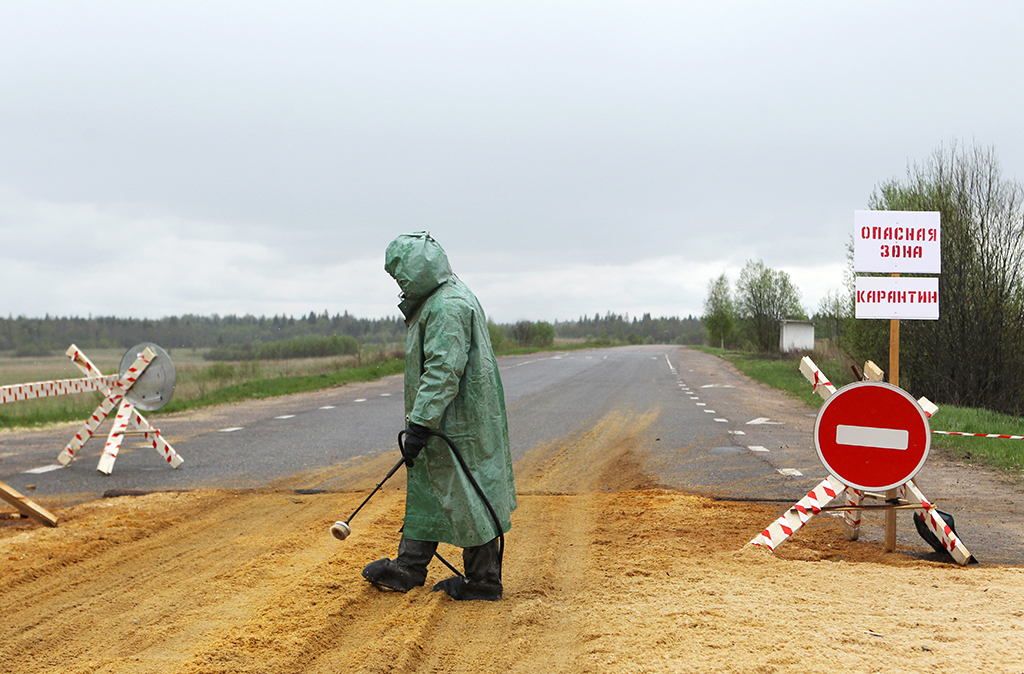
<point x="832" y="488"/>
<point x="127" y="414"/>
<point x="115" y="388"/>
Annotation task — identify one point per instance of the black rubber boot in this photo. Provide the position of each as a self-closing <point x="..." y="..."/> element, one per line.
<point x="406" y="571"/>
<point x="483" y="574"/>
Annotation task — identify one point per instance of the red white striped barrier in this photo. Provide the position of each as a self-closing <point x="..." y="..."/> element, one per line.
<point x="821" y="385"/>
<point x="114" y="387"/>
<point x="776" y="533"/>
<point x="128" y="413"/>
<point x="832" y="488"/>
<point x="114" y="396"/>
<point x="851" y="518"/>
<point x="45" y="389"/>
<point x="936" y="524"/>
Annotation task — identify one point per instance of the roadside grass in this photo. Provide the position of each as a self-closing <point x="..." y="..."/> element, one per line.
<point x="285" y="385"/>
<point x="784" y="374"/>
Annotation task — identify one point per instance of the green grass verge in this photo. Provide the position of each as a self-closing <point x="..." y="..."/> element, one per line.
<point x="48" y="411"/>
<point x="282" y="386"/>
<point x="1007" y="455"/>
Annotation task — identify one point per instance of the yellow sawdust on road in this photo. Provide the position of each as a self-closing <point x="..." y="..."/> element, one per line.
<point x="602" y="574"/>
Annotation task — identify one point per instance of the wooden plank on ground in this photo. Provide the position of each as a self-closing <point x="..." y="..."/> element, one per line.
<point x="27" y="507"/>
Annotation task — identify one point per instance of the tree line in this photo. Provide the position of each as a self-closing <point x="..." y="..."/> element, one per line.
<point x="36" y="336"/>
<point x="643" y="330"/>
<point x="241" y="337"/>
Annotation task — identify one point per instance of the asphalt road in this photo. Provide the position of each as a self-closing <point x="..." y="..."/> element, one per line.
<point x="696" y="424"/>
<point x="700" y="439"/>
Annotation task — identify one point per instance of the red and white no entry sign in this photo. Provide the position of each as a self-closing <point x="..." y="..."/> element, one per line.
<point x="872" y="436"/>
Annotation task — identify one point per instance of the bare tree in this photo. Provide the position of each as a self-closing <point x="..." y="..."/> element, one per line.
<point x="834" y="308"/>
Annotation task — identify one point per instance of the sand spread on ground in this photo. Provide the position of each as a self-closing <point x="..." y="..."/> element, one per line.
<point x="603" y="573"/>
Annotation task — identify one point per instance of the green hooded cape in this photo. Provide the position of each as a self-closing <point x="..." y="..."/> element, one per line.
<point x="452" y="385"/>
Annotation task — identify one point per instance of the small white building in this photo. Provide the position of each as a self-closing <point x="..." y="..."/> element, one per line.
<point x="796" y="336"/>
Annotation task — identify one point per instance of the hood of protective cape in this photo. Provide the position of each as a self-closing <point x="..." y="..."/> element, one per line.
<point x="419" y="265"/>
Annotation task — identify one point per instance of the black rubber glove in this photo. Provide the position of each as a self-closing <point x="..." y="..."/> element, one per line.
<point x="415" y="440"/>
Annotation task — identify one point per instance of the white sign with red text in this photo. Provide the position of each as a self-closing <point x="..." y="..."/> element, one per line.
<point x="896" y="298"/>
<point x="897" y="242"/>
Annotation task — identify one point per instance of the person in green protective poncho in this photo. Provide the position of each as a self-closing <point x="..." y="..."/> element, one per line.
<point x="452" y="386"/>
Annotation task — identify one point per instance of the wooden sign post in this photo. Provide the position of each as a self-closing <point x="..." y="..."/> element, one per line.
<point x="896" y="242"/>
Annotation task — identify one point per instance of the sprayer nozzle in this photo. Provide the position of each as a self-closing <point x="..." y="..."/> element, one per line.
<point x="340" y="530"/>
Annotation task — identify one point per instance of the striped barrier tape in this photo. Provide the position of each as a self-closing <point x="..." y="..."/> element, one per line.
<point x="981" y="435"/>
<point x="44" y="389"/>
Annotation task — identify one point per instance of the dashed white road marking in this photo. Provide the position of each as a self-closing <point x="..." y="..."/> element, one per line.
<point x="792" y="472"/>
<point x="763" y="420"/>
<point x="327" y="407"/>
<point x="231" y="429"/>
<point x="359" y="400"/>
<point x="286" y="416"/>
<point x="737" y="432"/>
<point x="384" y="395"/>
<point x="757" y="448"/>
<point x="722" y="421"/>
<point x="44" y="469"/>
<point x="709" y="412"/>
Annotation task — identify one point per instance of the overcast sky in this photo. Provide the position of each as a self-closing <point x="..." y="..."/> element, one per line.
<point x="573" y="158"/>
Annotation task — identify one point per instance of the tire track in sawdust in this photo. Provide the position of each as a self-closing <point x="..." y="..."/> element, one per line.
<point x="204" y="581"/>
<point x="542" y="625"/>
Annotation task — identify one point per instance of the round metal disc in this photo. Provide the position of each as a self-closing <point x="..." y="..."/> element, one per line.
<point x="154" y="388"/>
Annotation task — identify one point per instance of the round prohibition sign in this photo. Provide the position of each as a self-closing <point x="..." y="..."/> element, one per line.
<point x="872" y="436"/>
